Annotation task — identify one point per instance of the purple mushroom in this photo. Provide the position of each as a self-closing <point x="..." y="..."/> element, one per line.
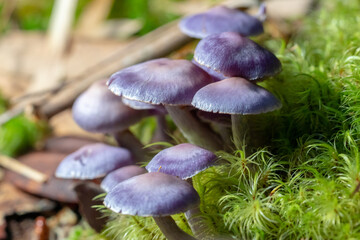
<point x="183" y="160"/>
<point x="154" y="194"/>
<point x="98" y="110"/>
<point x="93" y="161"/>
<point x="119" y="175"/>
<point x="220" y="19"/>
<point x="172" y="83"/>
<point x="239" y="97"/>
<point x="229" y="54"/>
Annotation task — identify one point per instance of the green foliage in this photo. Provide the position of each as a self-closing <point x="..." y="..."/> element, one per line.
<point x="19" y="134"/>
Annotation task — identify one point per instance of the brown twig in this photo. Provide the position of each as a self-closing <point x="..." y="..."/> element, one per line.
<point x="18" y="167"/>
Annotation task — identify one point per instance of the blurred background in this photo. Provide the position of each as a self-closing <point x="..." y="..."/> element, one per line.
<point x="52" y="50"/>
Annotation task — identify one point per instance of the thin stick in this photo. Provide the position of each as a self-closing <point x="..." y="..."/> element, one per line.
<point x="22" y="169"/>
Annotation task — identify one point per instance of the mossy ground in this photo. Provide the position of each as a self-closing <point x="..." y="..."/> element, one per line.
<point x="305" y="184"/>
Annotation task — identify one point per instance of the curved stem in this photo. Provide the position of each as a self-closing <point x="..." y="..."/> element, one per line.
<point x="194" y="130"/>
<point x="171" y="231"/>
<point x="199" y="226"/>
<point x="240" y="130"/>
<point x="127" y="140"/>
<point x="161" y="132"/>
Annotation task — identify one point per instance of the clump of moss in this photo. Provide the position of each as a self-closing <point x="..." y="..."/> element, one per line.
<point x="19" y="134"/>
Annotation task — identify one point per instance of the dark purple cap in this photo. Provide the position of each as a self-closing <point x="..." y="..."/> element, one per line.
<point x="235" y="96"/>
<point x="119" y="175"/>
<point x="99" y="110"/>
<point x="229" y="54"/>
<point x="93" y="161"/>
<point x="152" y="194"/>
<point x="183" y="160"/>
<point x="221" y="19"/>
<point x="160" y="81"/>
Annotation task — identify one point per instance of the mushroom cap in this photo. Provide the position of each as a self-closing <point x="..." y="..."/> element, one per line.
<point x="93" y="161"/>
<point x="152" y="194"/>
<point x="157" y="109"/>
<point x="184" y="160"/>
<point x="160" y="81"/>
<point x="98" y="110"/>
<point x="119" y="175"/>
<point x="229" y="54"/>
<point x="235" y="96"/>
<point x="220" y="19"/>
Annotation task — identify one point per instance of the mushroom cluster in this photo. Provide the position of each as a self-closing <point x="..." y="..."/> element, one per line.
<point x="218" y="85"/>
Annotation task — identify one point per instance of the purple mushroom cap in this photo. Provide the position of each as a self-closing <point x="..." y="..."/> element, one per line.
<point x="229" y="54"/>
<point x="160" y="81"/>
<point x="183" y="160"/>
<point x="152" y="194"/>
<point x="93" y="161"/>
<point x="235" y="96"/>
<point x="119" y="175"/>
<point x="99" y="110"/>
<point x="220" y="19"/>
<point x="157" y="109"/>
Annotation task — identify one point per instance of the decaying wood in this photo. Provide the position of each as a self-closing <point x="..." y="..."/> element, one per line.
<point x="22" y="169"/>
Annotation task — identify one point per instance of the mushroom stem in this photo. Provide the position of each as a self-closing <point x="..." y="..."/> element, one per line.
<point x="196" y="222"/>
<point x="240" y="130"/>
<point x="127" y="140"/>
<point x="171" y="231"/>
<point x="225" y="134"/>
<point x="193" y="130"/>
<point x="161" y="132"/>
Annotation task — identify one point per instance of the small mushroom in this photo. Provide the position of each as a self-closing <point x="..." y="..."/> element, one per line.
<point x="172" y="83"/>
<point x="98" y="110"/>
<point x="229" y="54"/>
<point x="220" y="19"/>
<point x="184" y="160"/>
<point x="239" y="97"/>
<point x="93" y="161"/>
<point x="154" y="194"/>
<point x="119" y="175"/>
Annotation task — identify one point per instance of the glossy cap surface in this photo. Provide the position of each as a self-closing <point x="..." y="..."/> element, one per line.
<point x="183" y="160"/>
<point x="152" y="194"/>
<point x="119" y="175"/>
<point x="235" y="96"/>
<point x="229" y="54"/>
<point x="220" y="19"/>
<point x="160" y="81"/>
<point x="93" y="161"/>
<point x="99" y="110"/>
